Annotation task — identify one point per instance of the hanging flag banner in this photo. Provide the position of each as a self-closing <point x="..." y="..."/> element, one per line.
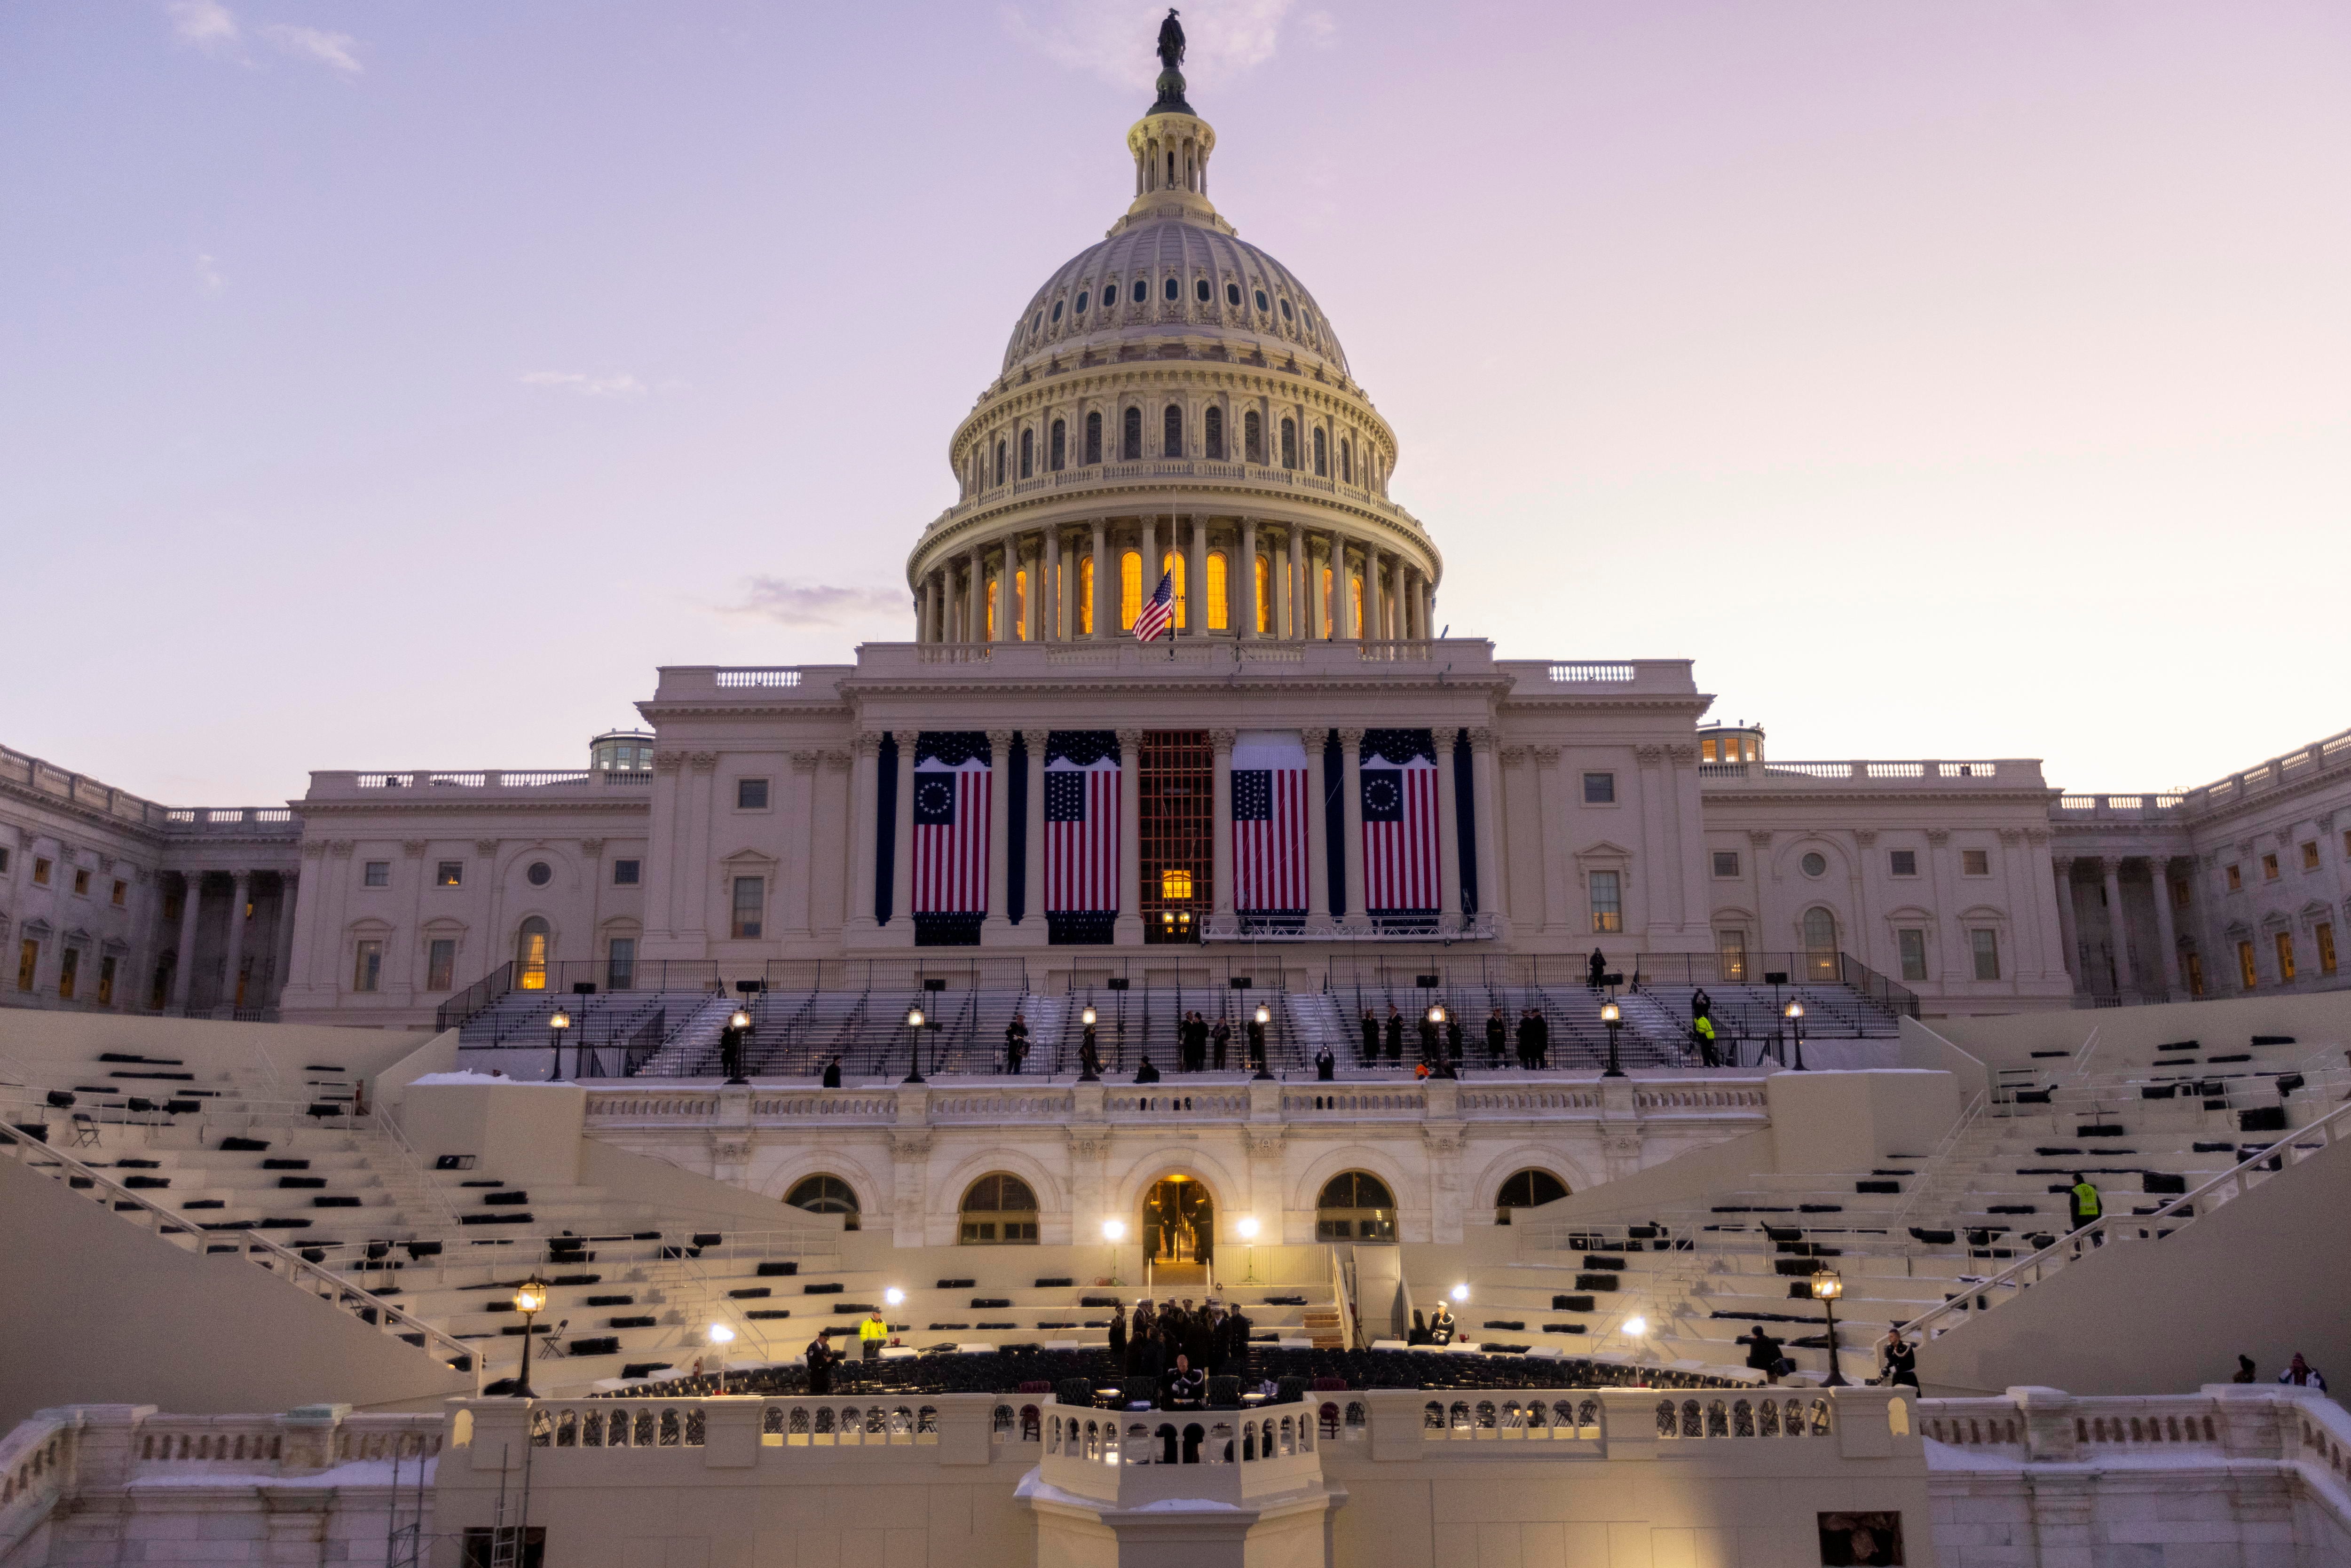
<point x="1400" y="846"/>
<point x="1270" y="823"/>
<point x="1081" y="826"/>
<point x="953" y="775"/>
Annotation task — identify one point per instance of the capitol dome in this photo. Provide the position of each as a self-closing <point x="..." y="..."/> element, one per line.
<point x="1172" y="402"/>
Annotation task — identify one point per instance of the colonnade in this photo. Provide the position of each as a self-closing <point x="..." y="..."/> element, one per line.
<point x="184" y="953"/>
<point x="2133" y="970"/>
<point x="1064" y="583"/>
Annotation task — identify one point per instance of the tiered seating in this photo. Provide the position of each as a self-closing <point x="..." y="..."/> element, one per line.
<point x="605" y="1019"/>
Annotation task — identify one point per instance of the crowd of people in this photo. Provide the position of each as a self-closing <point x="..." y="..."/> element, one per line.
<point x="1179" y="1347"/>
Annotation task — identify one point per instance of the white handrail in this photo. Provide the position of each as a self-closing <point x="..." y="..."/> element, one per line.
<point x="1938" y="1161"/>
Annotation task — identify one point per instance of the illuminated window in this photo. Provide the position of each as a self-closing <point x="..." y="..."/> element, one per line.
<point x="1264" y="594"/>
<point x="998" y="1210"/>
<point x="530" y="954"/>
<point x="2236" y="880"/>
<point x="1086" y="597"/>
<point x="28" y="961"/>
<point x="988" y="608"/>
<point x="81" y="883"/>
<point x="1355" y="588"/>
<point x="2246" y="974"/>
<point x="1020" y="604"/>
<point x="1175" y="884"/>
<point x="2285" y="958"/>
<point x="367" y="966"/>
<point x="1820" y="944"/>
<point x="2310" y="855"/>
<point x="1172" y="565"/>
<point x="2268" y="868"/>
<point x="40" y="872"/>
<point x="1706" y="750"/>
<point x="1129" y="588"/>
<point x="1219" y="592"/>
<point x="122" y="893"/>
<point x="1607" y="900"/>
<point x="2325" y="937"/>
<point x="449" y="873"/>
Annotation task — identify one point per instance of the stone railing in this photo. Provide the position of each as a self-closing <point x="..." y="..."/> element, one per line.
<point x="2222" y="1420"/>
<point x="2000" y="773"/>
<point x="1136" y="1458"/>
<point x="37" y="1468"/>
<point x="1078" y="480"/>
<point x="71" y="788"/>
<point x="539" y="782"/>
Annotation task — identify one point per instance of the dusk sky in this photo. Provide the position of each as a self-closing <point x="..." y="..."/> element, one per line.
<point x="397" y="384"/>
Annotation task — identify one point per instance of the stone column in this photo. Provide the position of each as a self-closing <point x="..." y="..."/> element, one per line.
<point x="864" y="791"/>
<point x="1350" y="800"/>
<point x="1032" y="868"/>
<point x="2118" y="930"/>
<point x="241" y="891"/>
<point x="1248" y="596"/>
<point x="184" y="967"/>
<point x="1105" y="613"/>
<point x="1342" y="599"/>
<point x="1221" y="820"/>
<point x="1000" y="834"/>
<point x="2164" y="972"/>
<point x="1056" y="595"/>
<point x="1008" y="561"/>
<point x="1375" y="626"/>
<point x="1128" y="931"/>
<point x="1318" y="843"/>
<point x="1292" y="599"/>
<point x="282" y="962"/>
<point x="2066" y="931"/>
<point x="1147" y="581"/>
<point x="1195" y="580"/>
<point x="901" y="854"/>
<point x="1449" y="831"/>
<point x="974" y="596"/>
<point x="1428" y="607"/>
<point x="1485" y="806"/>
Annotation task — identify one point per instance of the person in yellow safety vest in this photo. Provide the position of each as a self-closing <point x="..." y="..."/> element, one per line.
<point x="872" y="1336"/>
<point x="2088" y="1207"/>
<point x="1703" y="1029"/>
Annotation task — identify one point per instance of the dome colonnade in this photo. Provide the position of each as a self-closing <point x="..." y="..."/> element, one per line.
<point x="1173" y="401"/>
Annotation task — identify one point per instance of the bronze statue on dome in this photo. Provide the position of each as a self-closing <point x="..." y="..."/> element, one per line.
<point x="1171" y="55"/>
<point x="1171" y="41"/>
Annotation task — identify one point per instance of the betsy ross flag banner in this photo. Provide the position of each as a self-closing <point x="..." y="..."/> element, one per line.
<point x="1082" y="799"/>
<point x="1400" y="848"/>
<point x="1158" y="614"/>
<point x="952" y="779"/>
<point x="1269" y="821"/>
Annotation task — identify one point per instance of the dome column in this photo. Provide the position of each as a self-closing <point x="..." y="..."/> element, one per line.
<point x="1104" y="615"/>
<point x="1350" y="798"/>
<point x="1007" y="559"/>
<point x="1313" y="593"/>
<point x="975" y="591"/>
<point x="1293" y="595"/>
<point x="1374" y="627"/>
<point x="1342" y="615"/>
<point x="1427" y="606"/>
<point x="1056" y="627"/>
<point x="1249" y="594"/>
<point x="1196" y="583"/>
<point x="1148" y="555"/>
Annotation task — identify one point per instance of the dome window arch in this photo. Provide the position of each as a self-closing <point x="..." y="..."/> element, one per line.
<point x="998" y="1210"/>
<point x="1173" y="290"/>
<point x="1262" y="308"/>
<point x="1290" y="444"/>
<point x="1000" y="461"/>
<point x="1142" y="293"/>
<point x="1084" y="297"/>
<point x="1354" y="1206"/>
<point x="1028" y="452"/>
<point x="1529" y="1188"/>
<point x="1233" y="295"/>
<point x="1058" y="448"/>
<point x="1130" y="435"/>
<point x="1346" y="461"/>
<point x="1212" y="430"/>
<point x="1286" y="314"/>
<point x="1253" y="436"/>
<point x="1057" y="312"/>
<point x="1322" y="453"/>
<point x="824" y="1194"/>
<point x="1200" y="291"/>
<point x="1171" y="432"/>
<point x="1037" y="322"/>
<point x="1093" y="438"/>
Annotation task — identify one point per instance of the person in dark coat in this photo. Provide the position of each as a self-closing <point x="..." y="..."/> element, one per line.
<point x="1701" y="1005"/>
<point x="1146" y="1074"/>
<point x="1599" y="971"/>
<point x="1118" y="1336"/>
<point x="1453" y="1040"/>
<point x="1395" y="1034"/>
<point x="1089" y="1054"/>
<point x="832" y="1073"/>
<point x="1419" y="1333"/>
<point x="1900" y="1358"/>
<point x="1427" y="1040"/>
<point x="821" y="1358"/>
<point x="1182" y="1386"/>
<point x="1526" y="1038"/>
<point x="1256" y="1045"/>
<point x="1236" y="1345"/>
<point x="1325" y="1066"/>
<point x="1221" y="1038"/>
<point x="1764" y="1355"/>
<point x="1015" y="1043"/>
<point x="1441" y="1325"/>
<point x="1497" y="1035"/>
<point x="1200" y="1335"/>
<point x="1543" y="1040"/>
<point x="1370" y="1037"/>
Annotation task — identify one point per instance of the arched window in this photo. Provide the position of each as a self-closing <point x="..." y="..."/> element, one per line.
<point x="1233" y="295"/>
<point x="1142" y="291"/>
<point x="1020" y="604"/>
<point x="1059" y="447"/>
<point x="1000" y="463"/>
<point x="1172" y="566"/>
<point x="1346" y="460"/>
<point x="1525" y="1190"/>
<point x="1264" y="595"/>
<point x="1173" y="290"/>
<point x="1212" y="427"/>
<point x="1290" y="444"/>
<point x="1820" y="944"/>
<point x="1355" y="591"/>
<point x="1000" y="1210"/>
<point x="1260" y="301"/>
<point x="1253" y="436"/>
<point x="530" y="954"/>
<point x="1086" y="597"/>
<point x="1355" y="1206"/>
<point x="1200" y="291"/>
<point x="1171" y="432"/>
<point x="1083" y="298"/>
<point x="1218" y="592"/>
<point x="825" y="1194"/>
<point x="1093" y="438"/>
<point x="1321" y="454"/>
<point x="1129" y="588"/>
<point x="1029" y="454"/>
<point x="1057" y="312"/>
<point x="1130" y="435"/>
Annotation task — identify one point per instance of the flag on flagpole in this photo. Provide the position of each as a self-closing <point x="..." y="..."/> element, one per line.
<point x="1159" y="614"/>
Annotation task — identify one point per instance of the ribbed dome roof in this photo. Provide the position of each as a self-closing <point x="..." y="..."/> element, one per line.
<point x="1253" y="302"/>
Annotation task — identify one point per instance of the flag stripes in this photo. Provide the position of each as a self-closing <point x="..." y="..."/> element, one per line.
<point x="1081" y="822"/>
<point x="951" y="813"/>
<point x="1400" y="839"/>
<point x="1270" y="821"/>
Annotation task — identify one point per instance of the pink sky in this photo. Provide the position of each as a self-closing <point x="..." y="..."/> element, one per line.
<point x="397" y="386"/>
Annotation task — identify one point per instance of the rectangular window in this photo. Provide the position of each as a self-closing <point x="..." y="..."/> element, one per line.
<point x="1706" y="749"/>
<point x="1726" y="863"/>
<point x="1730" y="952"/>
<point x="750" y="794"/>
<point x="367" y="966"/>
<point x="2236" y="880"/>
<point x="121" y="893"/>
<point x="624" y="874"/>
<point x="68" y="970"/>
<point x="1600" y="789"/>
<point x="2247" y="976"/>
<point x="2195" y="973"/>
<point x="1914" y="954"/>
<point x="2268" y="868"/>
<point x="2285" y="957"/>
<point x="81" y="883"/>
<point x="1975" y="863"/>
<point x="1905" y="863"/>
<point x="750" y="899"/>
<point x="441" y="964"/>
<point x="450" y="873"/>
<point x="28" y="963"/>
<point x="1607" y="902"/>
<point x="376" y="875"/>
<point x="4" y="862"/>
<point x="2325" y="935"/>
<point x="1987" y="950"/>
<point x="106" y="981"/>
<point x="2310" y="855"/>
<point x="621" y="972"/>
<point x="2179" y="895"/>
<point x="40" y="872"/>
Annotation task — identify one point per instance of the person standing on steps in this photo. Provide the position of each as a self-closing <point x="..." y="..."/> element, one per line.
<point x="1598" y="974"/>
<point x="1427" y="1042"/>
<point x="2088" y="1207"/>
<point x="1089" y="1054"/>
<point x="1701" y="1005"/>
<point x="1395" y="1036"/>
<point x="1899" y="1359"/>
<point x="1325" y="1066"/>
<point x="832" y="1073"/>
<point x="1542" y="1039"/>
<point x="1370" y="1038"/>
<point x="1256" y="1047"/>
<point x="1764" y="1355"/>
<point x="1221" y="1039"/>
<point x="1498" y="1034"/>
<point x="1452" y="1042"/>
<point x="1015" y="1043"/>
<point x="1703" y="1029"/>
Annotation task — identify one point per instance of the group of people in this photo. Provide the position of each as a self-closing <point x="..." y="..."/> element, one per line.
<point x="1438" y="1329"/>
<point x="1897" y="1358"/>
<point x="1181" y="1346"/>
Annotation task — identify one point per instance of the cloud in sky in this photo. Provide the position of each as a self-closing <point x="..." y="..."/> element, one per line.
<point x="330" y="49"/>
<point x="206" y="23"/>
<point x="213" y="27"/>
<point x="1223" y="39"/>
<point x="619" y="383"/>
<point x="208" y="275"/>
<point x="816" y="603"/>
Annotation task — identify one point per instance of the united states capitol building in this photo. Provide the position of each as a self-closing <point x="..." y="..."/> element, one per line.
<point x="713" y="1030"/>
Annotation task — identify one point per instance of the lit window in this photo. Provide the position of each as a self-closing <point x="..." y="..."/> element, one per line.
<point x="439" y="963"/>
<point x="1975" y="863"/>
<point x="1986" y="951"/>
<point x="1086" y="597"/>
<point x="121" y="893"/>
<point x="1706" y="749"/>
<point x="376" y="875"/>
<point x="1218" y="591"/>
<point x="2285" y="957"/>
<point x="449" y="873"/>
<point x="2236" y="880"/>
<point x="40" y="872"/>
<point x="1913" y="945"/>
<point x="1905" y="863"/>
<point x="750" y="794"/>
<point x="2268" y="868"/>
<point x="1129" y="588"/>
<point x="81" y="883"/>
<point x="2310" y="855"/>
<point x="2325" y="937"/>
<point x="624" y="872"/>
<point x="1607" y="902"/>
<point x="1171" y="567"/>
<point x="750" y="900"/>
<point x="367" y="966"/>
<point x="28" y="963"/>
<point x="1175" y="884"/>
<point x="1600" y="789"/>
<point x="2246" y="973"/>
<point x="1726" y="863"/>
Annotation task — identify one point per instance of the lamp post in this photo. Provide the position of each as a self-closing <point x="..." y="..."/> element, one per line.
<point x="1795" y="1016"/>
<point x="529" y="1300"/>
<point x="1262" y="1017"/>
<point x="1086" y="1073"/>
<point x="1826" y="1289"/>
<point x="1443" y="1067"/>
<point x="730" y="1044"/>
<point x="1113" y="1231"/>
<point x="1248" y="1226"/>
<point x="555" y="1027"/>
<point x="913" y="1045"/>
<point x="721" y="1336"/>
<point x="1614" y="1017"/>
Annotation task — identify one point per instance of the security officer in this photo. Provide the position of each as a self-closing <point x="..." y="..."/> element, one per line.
<point x="872" y="1336"/>
<point x="2088" y="1207"/>
<point x="1703" y="1029"/>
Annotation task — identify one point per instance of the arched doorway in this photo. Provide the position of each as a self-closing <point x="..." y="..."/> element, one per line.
<point x="1819" y="945"/>
<point x="1527" y="1189"/>
<point x="1354" y="1206"/>
<point x="530" y="955"/>
<point x="1178" y="1230"/>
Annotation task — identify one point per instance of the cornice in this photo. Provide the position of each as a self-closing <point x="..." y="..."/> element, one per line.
<point x="1430" y="683"/>
<point x="1881" y="797"/>
<point x="10" y="790"/>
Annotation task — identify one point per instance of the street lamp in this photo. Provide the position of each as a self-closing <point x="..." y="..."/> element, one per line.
<point x="1795" y="1014"/>
<point x="1262" y="1017"/>
<point x="1460" y="1292"/>
<point x="721" y="1336"/>
<point x="1636" y="1327"/>
<point x="1614" y="1017"/>
<point x="529" y="1300"/>
<point x="554" y="1028"/>
<point x="1088" y="1062"/>
<point x="1247" y="1226"/>
<point x="1113" y="1231"/>
<point x="913" y="1045"/>
<point x="1826" y="1289"/>
<point x="730" y="1044"/>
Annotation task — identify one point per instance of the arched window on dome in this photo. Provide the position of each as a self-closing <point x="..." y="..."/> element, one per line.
<point x="1085" y="616"/>
<point x="1346" y="460"/>
<point x="1028" y="453"/>
<point x="1142" y="294"/>
<point x="1264" y="595"/>
<point x="1253" y="436"/>
<point x="1212" y="425"/>
<point x="1057" y="312"/>
<point x="1171" y="432"/>
<point x="1233" y="295"/>
<point x="1059" y="447"/>
<point x="1527" y="1189"/>
<point x="1093" y="438"/>
<point x="1130" y="435"/>
<point x="1261" y="306"/>
<point x="1175" y="288"/>
<point x="1000" y="461"/>
<point x="1200" y="291"/>
<point x="1171" y="566"/>
<point x="1219" y="592"/>
<point x="1083" y="298"/>
<point x="1322" y="453"/>
<point x="1290" y="444"/>
<point x="1129" y="588"/>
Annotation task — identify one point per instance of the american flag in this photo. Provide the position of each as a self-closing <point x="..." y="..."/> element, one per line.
<point x="1081" y="804"/>
<point x="1160" y="612"/>
<point x="1400" y="845"/>
<point x="952" y="780"/>
<point x="1269" y="821"/>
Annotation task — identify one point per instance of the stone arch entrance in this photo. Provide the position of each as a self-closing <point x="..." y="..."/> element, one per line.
<point x="1177" y="1226"/>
